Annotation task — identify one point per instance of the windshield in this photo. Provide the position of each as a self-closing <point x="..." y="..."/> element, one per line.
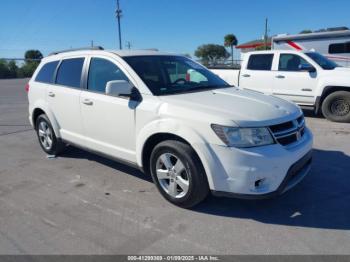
<point x="166" y="75"/>
<point x="322" y="61"/>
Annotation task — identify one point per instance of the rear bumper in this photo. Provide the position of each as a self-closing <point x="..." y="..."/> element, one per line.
<point x="30" y="120"/>
<point x="295" y="174"/>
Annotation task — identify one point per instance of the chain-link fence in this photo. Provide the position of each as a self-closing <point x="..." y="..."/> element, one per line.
<point x="222" y="63"/>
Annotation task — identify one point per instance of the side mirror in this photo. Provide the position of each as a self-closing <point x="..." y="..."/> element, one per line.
<point x="307" y="68"/>
<point x="119" y="88"/>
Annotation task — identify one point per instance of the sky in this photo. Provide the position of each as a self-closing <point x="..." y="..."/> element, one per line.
<point x="178" y="26"/>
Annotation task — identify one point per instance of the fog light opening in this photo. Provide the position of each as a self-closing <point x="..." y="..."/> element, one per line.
<point x="259" y="182"/>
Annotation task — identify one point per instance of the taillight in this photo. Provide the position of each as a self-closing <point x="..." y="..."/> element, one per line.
<point x="27" y="87"/>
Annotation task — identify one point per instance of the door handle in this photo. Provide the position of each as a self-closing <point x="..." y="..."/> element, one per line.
<point x="246" y="75"/>
<point x="87" y="102"/>
<point x="280" y="76"/>
<point x="51" y="94"/>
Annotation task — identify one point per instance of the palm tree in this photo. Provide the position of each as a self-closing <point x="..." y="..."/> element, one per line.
<point x="230" y="41"/>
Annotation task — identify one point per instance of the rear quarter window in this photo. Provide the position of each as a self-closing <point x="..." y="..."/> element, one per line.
<point x="46" y="73"/>
<point x="69" y="72"/>
<point x="260" y="62"/>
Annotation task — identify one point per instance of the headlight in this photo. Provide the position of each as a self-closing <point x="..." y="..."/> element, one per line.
<point x="243" y="137"/>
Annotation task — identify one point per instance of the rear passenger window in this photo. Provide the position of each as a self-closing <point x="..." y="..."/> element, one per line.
<point x="47" y="72"/>
<point x="69" y="73"/>
<point x="102" y="71"/>
<point x="260" y="62"/>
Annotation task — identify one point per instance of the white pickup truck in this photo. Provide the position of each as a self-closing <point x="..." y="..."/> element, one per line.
<point x="306" y="78"/>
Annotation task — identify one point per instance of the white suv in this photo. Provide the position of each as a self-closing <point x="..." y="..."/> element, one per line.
<point x="192" y="136"/>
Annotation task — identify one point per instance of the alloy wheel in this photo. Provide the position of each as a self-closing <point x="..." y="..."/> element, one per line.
<point x="45" y="135"/>
<point x="172" y="175"/>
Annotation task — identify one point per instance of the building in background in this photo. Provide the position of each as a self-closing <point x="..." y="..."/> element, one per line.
<point x="253" y="46"/>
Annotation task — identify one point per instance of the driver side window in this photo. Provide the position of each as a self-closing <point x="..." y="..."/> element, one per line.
<point x="291" y="62"/>
<point x="102" y="71"/>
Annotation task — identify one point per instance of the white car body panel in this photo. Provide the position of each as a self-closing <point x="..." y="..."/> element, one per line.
<point x="231" y="76"/>
<point x="302" y="88"/>
<point x="120" y="127"/>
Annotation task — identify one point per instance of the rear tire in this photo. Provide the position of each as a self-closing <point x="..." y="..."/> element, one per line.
<point x="178" y="173"/>
<point x="336" y="107"/>
<point x="46" y="136"/>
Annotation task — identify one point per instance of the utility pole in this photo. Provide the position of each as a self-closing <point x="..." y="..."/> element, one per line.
<point x="128" y="45"/>
<point x="92" y="43"/>
<point x="265" y="35"/>
<point x="119" y="15"/>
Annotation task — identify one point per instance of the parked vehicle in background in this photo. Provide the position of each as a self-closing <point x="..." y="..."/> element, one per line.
<point x="306" y="78"/>
<point x="192" y="136"/>
<point x="332" y="43"/>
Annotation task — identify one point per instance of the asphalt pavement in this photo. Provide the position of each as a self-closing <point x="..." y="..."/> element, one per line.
<point x="81" y="203"/>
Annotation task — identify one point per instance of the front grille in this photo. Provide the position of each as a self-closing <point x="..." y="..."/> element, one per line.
<point x="289" y="132"/>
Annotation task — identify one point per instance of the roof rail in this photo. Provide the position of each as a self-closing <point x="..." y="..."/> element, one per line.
<point x="77" y="49"/>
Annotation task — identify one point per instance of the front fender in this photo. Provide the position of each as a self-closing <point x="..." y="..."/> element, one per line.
<point x="332" y="82"/>
<point x="169" y="126"/>
<point x="174" y="127"/>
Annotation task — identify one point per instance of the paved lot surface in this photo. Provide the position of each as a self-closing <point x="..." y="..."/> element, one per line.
<point x="80" y="203"/>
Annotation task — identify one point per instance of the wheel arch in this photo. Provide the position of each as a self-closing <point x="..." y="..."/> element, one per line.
<point x="41" y="108"/>
<point x="154" y="140"/>
<point x="168" y="129"/>
<point x="326" y="92"/>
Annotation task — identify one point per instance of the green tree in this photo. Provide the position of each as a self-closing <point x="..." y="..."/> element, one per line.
<point x="306" y="31"/>
<point x="263" y="47"/>
<point x="33" y="54"/>
<point x="13" y="69"/>
<point x="4" y="70"/>
<point x="210" y="53"/>
<point x="230" y="40"/>
<point x="27" y="70"/>
<point x="32" y="60"/>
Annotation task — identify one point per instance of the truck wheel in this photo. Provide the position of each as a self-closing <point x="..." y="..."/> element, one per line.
<point x="336" y="107"/>
<point x="178" y="173"/>
<point x="46" y="135"/>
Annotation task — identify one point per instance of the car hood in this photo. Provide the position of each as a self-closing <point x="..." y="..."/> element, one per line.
<point x="342" y="69"/>
<point x="232" y="105"/>
<point x="339" y="73"/>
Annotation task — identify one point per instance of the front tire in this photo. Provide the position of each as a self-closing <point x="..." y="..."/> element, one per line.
<point x="46" y="135"/>
<point x="178" y="173"/>
<point x="336" y="107"/>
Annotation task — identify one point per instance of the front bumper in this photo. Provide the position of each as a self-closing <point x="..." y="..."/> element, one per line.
<point x="295" y="174"/>
<point x="259" y="172"/>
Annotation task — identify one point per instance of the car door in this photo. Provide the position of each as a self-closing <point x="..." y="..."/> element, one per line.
<point x="63" y="98"/>
<point x="109" y="121"/>
<point x="256" y="74"/>
<point x="293" y="84"/>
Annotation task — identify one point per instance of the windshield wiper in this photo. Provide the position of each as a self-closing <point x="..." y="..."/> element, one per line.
<point x="194" y="89"/>
<point x="207" y="87"/>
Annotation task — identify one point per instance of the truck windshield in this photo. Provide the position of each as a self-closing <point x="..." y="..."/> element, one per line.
<point x="166" y="75"/>
<point x="322" y="61"/>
